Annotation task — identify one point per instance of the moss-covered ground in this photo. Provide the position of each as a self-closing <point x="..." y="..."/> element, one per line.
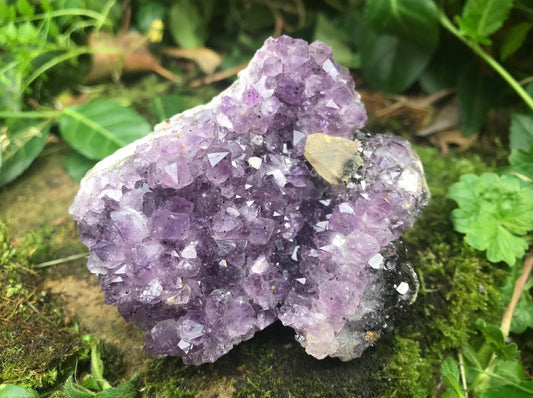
<point x="39" y="345"/>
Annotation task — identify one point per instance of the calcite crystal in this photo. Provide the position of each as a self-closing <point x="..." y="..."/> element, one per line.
<point x="268" y="203"/>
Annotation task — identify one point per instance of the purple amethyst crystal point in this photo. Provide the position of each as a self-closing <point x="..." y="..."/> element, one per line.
<point x="268" y="203"/>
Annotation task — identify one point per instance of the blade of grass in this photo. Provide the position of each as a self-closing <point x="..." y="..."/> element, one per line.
<point x="61" y="260"/>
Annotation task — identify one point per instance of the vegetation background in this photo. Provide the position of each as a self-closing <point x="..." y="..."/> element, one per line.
<point x="81" y="78"/>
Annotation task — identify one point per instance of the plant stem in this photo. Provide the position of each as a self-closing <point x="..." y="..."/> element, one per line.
<point x="477" y="385"/>
<point x="490" y="60"/>
<point x="463" y="376"/>
<point x="104" y="15"/>
<point x="61" y="260"/>
<point x="29" y="115"/>
<point x="53" y="62"/>
<point x="61" y="13"/>
<point x="517" y="292"/>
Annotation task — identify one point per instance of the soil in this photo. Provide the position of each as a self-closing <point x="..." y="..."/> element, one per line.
<point x="41" y="196"/>
<point x="81" y="297"/>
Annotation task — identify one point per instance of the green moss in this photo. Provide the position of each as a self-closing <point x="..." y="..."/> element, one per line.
<point x="406" y="369"/>
<point x="272" y="364"/>
<point x="165" y="378"/>
<point x="458" y="285"/>
<point x="37" y="348"/>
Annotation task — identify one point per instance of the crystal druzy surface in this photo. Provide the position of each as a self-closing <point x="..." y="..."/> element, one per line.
<point x="216" y="225"/>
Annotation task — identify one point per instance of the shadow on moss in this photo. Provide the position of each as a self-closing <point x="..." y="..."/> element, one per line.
<point x="272" y="364"/>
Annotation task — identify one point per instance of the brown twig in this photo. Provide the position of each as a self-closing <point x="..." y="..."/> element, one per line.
<point x="517" y="292"/>
<point x="218" y="76"/>
<point x="416" y="103"/>
<point x="17" y="304"/>
<point x="278" y="21"/>
<point x="126" y="20"/>
<point x="166" y="73"/>
<point x="463" y="375"/>
<point x="282" y="6"/>
<point x="526" y="80"/>
<point x="301" y="11"/>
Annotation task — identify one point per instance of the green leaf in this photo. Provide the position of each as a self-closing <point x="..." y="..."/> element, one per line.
<point x="25" y="142"/>
<point x="475" y="95"/>
<point x="327" y="32"/>
<point x="14" y="391"/>
<point x="521" y="136"/>
<point x="443" y="71"/>
<point x="514" y="40"/>
<point x="9" y="100"/>
<point x="508" y="372"/>
<point x="91" y="384"/>
<point x="476" y="357"/>
<point x="523" y="390"/>
<point x="521" y="164"/>
<point x="97" y="365"/>
<point x="494" y="337"/>
<point x="72" y="390"/>
<point x="25" y="8"/>
<point x="167" y="106"/>
<point x="523" y="313"/>
<point x="7" y="12"/>
<point x="147" y="14"/>
<point x="450" y="376"/>
<point x="505" y="247"/>
<point x="481" y="18"/>
<point x="77" y="165"/>
<point x="114" y="16"/>
<point x="186" y="24"/>
<point x="413" y="20"/>
<point x="126" y="390"/>
<point x="390" y="63"/>
<point x="529" y="89"/>
<point x="99" y="128"/>
<point x="494" y="212"/>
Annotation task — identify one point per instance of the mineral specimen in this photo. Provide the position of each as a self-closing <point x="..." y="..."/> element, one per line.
<point x="268" y="203"/>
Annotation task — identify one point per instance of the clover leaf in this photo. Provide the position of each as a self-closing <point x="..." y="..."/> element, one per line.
<point x="495" y="212"/>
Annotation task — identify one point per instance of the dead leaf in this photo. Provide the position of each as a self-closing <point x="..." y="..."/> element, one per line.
<point x="60" y="221"/>
<point x="15" y="241"/>
<point x="445" y="118"/>
<point x="417" y="110"/>
<point x="444" y="139"/>
<point x="66" y="99"/>
<point x="207" y="59"/>
<point x="125" y="53"/>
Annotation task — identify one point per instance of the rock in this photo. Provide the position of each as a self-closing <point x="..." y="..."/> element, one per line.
<point x="215" y="225"/>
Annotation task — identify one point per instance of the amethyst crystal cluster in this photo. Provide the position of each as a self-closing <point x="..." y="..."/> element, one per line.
<point x="218" y="223"/>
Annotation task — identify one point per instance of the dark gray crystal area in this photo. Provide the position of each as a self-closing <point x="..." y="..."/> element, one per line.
<point x="215" y="225"/>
